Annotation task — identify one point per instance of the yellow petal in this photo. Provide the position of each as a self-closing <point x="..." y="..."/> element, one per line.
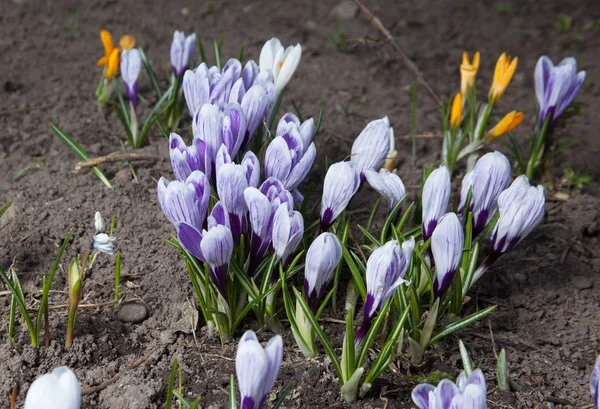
<point x="468" y="72"/>
<point x="475" y="63"/>
<point x="456" y="113"/>
<point x="127" y="42"/>
<point x="107" y="42"/>
<point x="505" y="69"/>
<point x="102" y="62"/>
<point x="113" y="64"/>
<point x="506" y="124"/>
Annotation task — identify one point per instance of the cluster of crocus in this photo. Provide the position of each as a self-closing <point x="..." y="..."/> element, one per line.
<point x="58" y="389"/>
<point x="469" y="392"/>
<point x="257" y="368"/>
<point x="369" y="152"/>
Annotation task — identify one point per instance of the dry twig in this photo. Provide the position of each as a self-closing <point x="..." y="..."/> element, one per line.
<point x="116" y="157"/>
<point x="407" y="61"/>
<point x="13" y="399"/>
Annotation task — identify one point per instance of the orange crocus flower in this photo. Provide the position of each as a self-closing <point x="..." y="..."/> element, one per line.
<point x="506" y="124"/>
<point x="468" y="72"/>
<point x="505" y="68"/>
<point x="112" y="54"/>
<point x="456" y="113"/>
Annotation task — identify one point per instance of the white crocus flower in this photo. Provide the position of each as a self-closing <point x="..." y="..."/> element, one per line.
<point x="281" y="61"/>
<point x="58" y="389"/>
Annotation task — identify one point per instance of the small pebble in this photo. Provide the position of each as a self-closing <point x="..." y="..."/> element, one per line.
<point x="133" y="312"/>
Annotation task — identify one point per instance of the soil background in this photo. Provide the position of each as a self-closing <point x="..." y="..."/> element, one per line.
<point x="546" y="289"/>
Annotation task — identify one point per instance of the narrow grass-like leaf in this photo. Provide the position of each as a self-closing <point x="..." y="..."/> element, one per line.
<point x="249" y="306"/>
<point x="23" y="307"/>
<point x="151" y="74"/>
<point x="232" y="393"/>
<point x="162" y="128"/>
<point x="465" y="358"/>
<point x="502" y="371"/>
<point x="152" y="116"/>
<point x="217" y="50"/>
<point x="373" y="213"/>
<point x="201" y="52"/>
<point x="5" y="207"/>
<point x="281" y="397"/>
<point x="318" y="122"/>
<point x="389" y="220"/>
<point x="369" y="236"/>
<point x="462" y="323"/>
<point x="359" y="282"/>
<point x="300" y="117"/>
<point x="372" y="334"/>
<point x="171" y="384"/>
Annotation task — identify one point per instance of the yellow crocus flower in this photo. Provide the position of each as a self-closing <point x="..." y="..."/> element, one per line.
<point x="111" y="56"/>
<point x="505" y="68"/>
<point x="468" y="72"/>
<point x="506" y="124"/>
<point x="456" y="113"/>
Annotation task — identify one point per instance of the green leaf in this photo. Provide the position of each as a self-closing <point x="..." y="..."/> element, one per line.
<point x="279" y="400"/>
<point x="152" y="116"/>
<point x="232" y="393"/>
<point x="318" y="122"/>
<point x="389" y="219"/>
<point x="460" y="324"/>
<point x="465" y="358"/>
<point x="300" y="117"/>
<point x="80" y="152"/>
<point x="5" y="208"/>
<point x="369" y="236"/>
<point x="502" y="371"/>
<point x="151" y="74"/>
<point x="17" y="293"/>
<point x="171" y="383"/>
<point x="359" y="282"/>
<point x="217" y="53"/>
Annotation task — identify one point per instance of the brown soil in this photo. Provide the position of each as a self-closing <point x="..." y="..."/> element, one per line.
<point x="546" y="289"/>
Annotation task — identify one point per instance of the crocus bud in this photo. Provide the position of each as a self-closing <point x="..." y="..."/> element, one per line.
<point x="196" y="88"/>
<point x="487" y="180"/>
<point x="505" y="68"/>
<point x="58" y="389"/>
<point x="341" y="183"/>
<point x="104" y="243"/>
<point x="371" y="147"/>
<point x="231" y="183"/>
<point x="287" y="157"/>
<point x="468" y="393"/>
<point x="456" y="112"/>
<point x="595" y="384"/>
<point x="506" y="124"/>
<point x="468" y="72"/>
<point x="182" y="48"/>
<point x="257" y="368"/>
<point x="281" y="61"/>
<point x="388" y="184"/>
<point x="186" y="159"/>
<point x="288" y="228"/>
<point x="255" y="104"/>
<point x="185" y="201"/>
<point x="556" y="86"/>
<point x="131" y="63"/>
<point x="447" y="243"/>
<point x="434" y="199"/>
<point x="99" y="223"/>
<point x="322" y="258"/>
<point x="386" y="268"/>
<point x="217" y="248"/>
<point x="521" y="208"/>
<point x="249" y="73"/>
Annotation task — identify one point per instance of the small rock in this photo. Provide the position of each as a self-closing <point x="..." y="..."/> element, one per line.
<point x="185" y="11"/>
<point x="581" y="282"/>
<point x="345" y="10"/>
<point x="123" y="174"/>
<point x="133" y="312"/>
<point x="520" y="278"/>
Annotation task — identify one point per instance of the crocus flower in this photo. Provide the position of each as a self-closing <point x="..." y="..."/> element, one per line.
<point x="388" y="184"/>
<point x="217" y="247"/>
<point x="186" y="159"/>
<point x="456" y="112"/>
<point x="386" y="268"/>
<point x="390" y="160"/>
<point x="255" y="105"/>
<point x="556" y="86"/>
<point x="182" y="49"/>
<point x="111" y="56"/>
<point x="99" y="224"/>
<point x="262" y="204"/>
<point x="506" y="124"/>
<point x="468" y="393"/>
<point x="291" y="154"/>
<point x="341" y="183"/>
<point x="505" y="68"/>
<point x="487" y="180"/>
<point x="257" y="368"/>
<point x="288" y="228"/>
<point x="323" y="256"/>
<point x="434" y="199"/>
<point x="104" y="243"/>
<point x="131" y="62"/>
<point x="281" y="61"/>
<point x="521" y="208"/>
<point x="447" y="243"/>
<point x="205" y="85"/>
<point x="58" y="389"/>
<point x="371" y="147"/>
<point x="595" y="383"/>
<point x="468" y="73"/>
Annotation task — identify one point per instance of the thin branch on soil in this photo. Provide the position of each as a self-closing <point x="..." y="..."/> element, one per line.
<point x="13" y="399"/>
<point x="424" y="135"/>
<point x="492" y="337"/>
<point x="558" y="401"/>
<point x="116" y="157"/>
<point x="407" y="61"/>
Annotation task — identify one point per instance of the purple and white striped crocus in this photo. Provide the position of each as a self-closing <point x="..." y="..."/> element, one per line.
<point x="386" y="268"/>
<point x="322" y="258"/>
<point x="388" y="184"/>
<point x="468" y="393"/>
<point x="434" y="199"/>
<point x="288" y="228"/>
<point x="218" y="127"/>
<point x="371" y="147"/>
<point x="447" y="243"/>
<point x="521" y="208"/>
<point x="262" y="204"/>
<point x="217" y="247"/>
<point x="131" y="63"/>
<point x="291" y="154"/>
<point x="205" y="85"/>
<point x="186" y="159"/>
<point x="257" y="368"/>
<point x="556" y="86"/>
<point x="232" y="181"/>
<point x="341" y="183"/>
<point x="595" y="384"/>
<point x="182" y="49"/>
<point x="489" y="178"/>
